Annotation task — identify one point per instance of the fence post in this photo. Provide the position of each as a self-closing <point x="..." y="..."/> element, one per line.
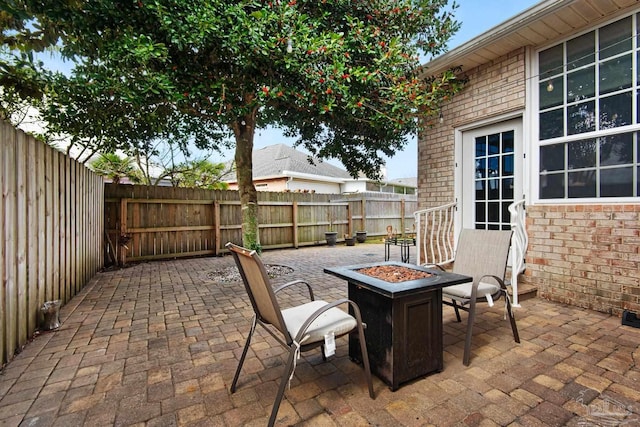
<point x="349" y="221"/>
<point x="363" y="209"/>
<point x="402" y="212"/>
<point x="216" y="229"/>
<point x="294" y="217"/>
<point x="123" y="232"/>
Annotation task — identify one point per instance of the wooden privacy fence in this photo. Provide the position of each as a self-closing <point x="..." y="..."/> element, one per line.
<point x="51" y="233"/>
<point x="146" y="223"/>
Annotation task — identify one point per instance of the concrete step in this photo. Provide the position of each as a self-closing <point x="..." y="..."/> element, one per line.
<point x="526" y="291"/>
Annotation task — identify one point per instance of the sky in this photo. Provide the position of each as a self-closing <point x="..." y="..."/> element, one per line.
<point x="475" y="17"/>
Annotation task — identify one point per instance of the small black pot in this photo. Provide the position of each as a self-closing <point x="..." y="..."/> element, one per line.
<point x="331" y="237"/>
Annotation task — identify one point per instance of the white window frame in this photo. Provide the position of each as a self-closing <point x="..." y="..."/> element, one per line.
<point x="533" y="159"/>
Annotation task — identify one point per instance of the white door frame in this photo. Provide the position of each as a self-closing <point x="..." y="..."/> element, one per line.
<point x="519" y="163"/>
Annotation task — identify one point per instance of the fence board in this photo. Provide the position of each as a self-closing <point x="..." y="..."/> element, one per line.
<point x="48" y="237"/>
<point x="55" y="209"/>
<point x="74" y="213"/>
<point x="3" y="258"/>
<point x="41" y="217"/>
<point x="10" y="227"/>
<point x="22" y="165"/>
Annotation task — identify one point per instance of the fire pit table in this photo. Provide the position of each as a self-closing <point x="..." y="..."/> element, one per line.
<point x="403" y="313"/>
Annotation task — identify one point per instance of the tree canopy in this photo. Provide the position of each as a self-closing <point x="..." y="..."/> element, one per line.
<point x="342" y="76"/>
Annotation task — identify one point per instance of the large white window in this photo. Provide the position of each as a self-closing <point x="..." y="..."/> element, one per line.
<point x="589" y="114"/>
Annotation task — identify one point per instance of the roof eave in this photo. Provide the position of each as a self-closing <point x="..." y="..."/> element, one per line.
<point x="453" y="57"/>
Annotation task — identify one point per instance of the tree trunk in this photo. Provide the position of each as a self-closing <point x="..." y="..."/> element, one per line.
<point x="244" y="129"/>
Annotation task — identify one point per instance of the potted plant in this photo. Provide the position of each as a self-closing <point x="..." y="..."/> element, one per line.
<point x="349" y="240"/>
<point x="330" y="235"/>
<point x="361" y="236"/>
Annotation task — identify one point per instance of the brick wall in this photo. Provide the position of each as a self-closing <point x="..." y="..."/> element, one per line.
<point x="583" y="255"/>
<point x="586" y="255"/>
<point x="493" y="89"/>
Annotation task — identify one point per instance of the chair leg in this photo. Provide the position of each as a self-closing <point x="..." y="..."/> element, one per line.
<point x="283" y="384"/>
<point x="365" y="360"/>
<point x="244" y="354"/>
<point x="455" y="307"/>
<point x="512" y="319"/>
<point x="467" y="342"/>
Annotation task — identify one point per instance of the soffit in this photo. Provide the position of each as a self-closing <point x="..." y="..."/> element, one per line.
<point x="539" y="25"/>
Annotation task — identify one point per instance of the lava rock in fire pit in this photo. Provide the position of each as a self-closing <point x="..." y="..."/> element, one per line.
<point x="394" y="273"/>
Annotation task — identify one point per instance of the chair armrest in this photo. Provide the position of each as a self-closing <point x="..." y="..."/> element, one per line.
<point x="500" y="281"/>
<point x="296" y="282"/>
<point x="318" y="312"/>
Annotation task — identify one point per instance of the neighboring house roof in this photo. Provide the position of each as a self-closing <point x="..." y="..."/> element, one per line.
<point x="536" y="26"/>
<point x="408" y="182"/>
<point x="283" y="160"/>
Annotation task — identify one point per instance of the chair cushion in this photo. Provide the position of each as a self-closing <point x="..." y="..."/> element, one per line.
<point x="334" y="319"/>
<point x="463" y="291"/>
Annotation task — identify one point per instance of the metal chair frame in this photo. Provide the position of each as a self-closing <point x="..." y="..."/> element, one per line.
<point x="268" y="314"/>
<point x="483" y="255"/>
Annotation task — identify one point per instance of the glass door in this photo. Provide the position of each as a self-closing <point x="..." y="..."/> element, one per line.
<point x="491" y="175"/>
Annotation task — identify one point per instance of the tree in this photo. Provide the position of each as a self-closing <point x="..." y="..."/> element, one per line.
<point x="199" y="174"/>
<point x="342" y="76"/>
<point x="114" y="167"/>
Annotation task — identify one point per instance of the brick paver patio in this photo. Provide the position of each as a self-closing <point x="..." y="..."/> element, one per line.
<point x="157" y="344"/>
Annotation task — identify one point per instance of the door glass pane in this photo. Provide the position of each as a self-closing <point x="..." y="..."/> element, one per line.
<point x="551" y="124"/>
<point x="481" y="146"/>
<point x="581" y="84"/>
<point x="493" y="169"/>
<point x="581" y="50"/>
<point x="616" y="182"/>
<point x="581" y="118"/>
<point x="507" y="165"/>
<point x="481" y="189"/>
<point x="507" y="142"/>
<point x="493" y="143"/>
<point x="493" y="189"/>
<point x="507" y="188"/>
<point x="480" y="212"/>
<point x="493" y="212"/>
<point x="615" y="38"/>
<point x="506" y="216"/>
<point x="582" y="154"/>
<point x="481" y="168"/>
<point x="615" y="111"/>
<point x="616" y="74"/>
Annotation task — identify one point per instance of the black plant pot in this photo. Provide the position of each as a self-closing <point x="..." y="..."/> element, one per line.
<point x="350" y="241"/>
<point x="331" y="237"/>
<point x="361" y="236"/>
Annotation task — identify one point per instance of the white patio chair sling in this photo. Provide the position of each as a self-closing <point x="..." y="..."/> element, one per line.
<point x="481" y="254"/>
<point x="298" y="328"/>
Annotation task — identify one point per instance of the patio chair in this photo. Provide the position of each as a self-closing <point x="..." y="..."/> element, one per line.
<point x="298" y="328"/>
<point x="481" y="254"/>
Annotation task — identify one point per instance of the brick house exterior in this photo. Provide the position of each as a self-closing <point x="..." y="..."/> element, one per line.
<point x="584" y="248"/>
